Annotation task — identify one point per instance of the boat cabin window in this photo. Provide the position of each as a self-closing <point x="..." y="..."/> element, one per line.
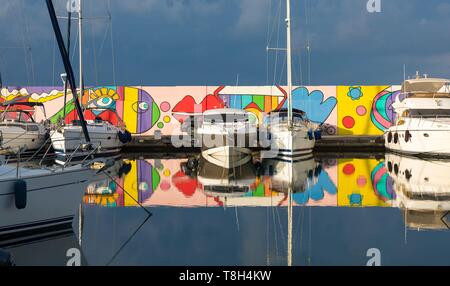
<point x="17" y="116"/>
<point x="429" y="112"/>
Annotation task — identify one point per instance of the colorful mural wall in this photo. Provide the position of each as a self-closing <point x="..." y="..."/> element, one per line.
<point x="154" y="182"/>
<point x="342" y="110"/>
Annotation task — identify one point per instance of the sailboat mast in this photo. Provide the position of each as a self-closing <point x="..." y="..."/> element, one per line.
<point x="67" y="66"/>
<point x="289" y="61"/>
<point x="80" y="47"/>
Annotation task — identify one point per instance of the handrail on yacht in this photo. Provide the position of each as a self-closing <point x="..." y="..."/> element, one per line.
<point x="71" y="155"/>
<point x="90" y="153"/>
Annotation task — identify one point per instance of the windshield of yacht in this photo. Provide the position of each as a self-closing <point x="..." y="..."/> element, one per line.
<point x="428" y="113"/>
<point x="17" y="116"/>
<point x="426" y="87"/>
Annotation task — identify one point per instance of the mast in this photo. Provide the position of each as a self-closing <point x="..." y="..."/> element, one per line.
<point x="80" y="47"/>
<point x="67" y="66"/>
<point x="289" y="61"/>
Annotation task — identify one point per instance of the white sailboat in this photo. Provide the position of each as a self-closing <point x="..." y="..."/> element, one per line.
<point x="291" y="133"/>
<point x="422" y="126"/>
<point x="106" y="139"/>
<point x="19" y="131"/>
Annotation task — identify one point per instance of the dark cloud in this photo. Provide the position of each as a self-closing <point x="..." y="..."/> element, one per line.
<point x="196" y="42"/>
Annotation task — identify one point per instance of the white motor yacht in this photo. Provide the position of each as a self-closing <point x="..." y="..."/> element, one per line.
<point x="422" y="125"/>
<point x="19" y="130"/>
<point x="227" y="136"/>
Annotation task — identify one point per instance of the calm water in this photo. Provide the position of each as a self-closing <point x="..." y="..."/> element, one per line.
<point x="190" y="212"/>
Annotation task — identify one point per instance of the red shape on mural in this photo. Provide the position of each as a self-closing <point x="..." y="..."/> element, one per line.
<point x="348" y="169"/>
<point x="188" y="105"/>
<point x="348" y="122"/>
<point x="184" y="184"/>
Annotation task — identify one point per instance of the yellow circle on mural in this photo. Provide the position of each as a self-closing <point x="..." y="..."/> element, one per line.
<point x="166" y="119"/>
<point x="166" y="172"/>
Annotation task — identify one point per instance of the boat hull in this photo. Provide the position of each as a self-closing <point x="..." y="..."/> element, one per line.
<point x="14" y="139"/>
<point x="52" y="199"/>
<point x="227" y="156"/>
<point x="290" y="144"/>
<point x="419" y="141"/>
<point x="65" y="142"/>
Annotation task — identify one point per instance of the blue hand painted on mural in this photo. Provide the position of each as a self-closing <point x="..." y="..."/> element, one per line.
<point x="355" y="92"/>
<point x="316" y="192"/>
<point x="317" y="110"/>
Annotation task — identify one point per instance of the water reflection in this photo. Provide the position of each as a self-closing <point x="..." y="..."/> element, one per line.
<point x="187" y="211"/>
<point x="423" y="190"/>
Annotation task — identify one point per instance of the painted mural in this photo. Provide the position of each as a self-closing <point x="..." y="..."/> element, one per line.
<point x="340" y="110"/>
<point x="155" y="182"/>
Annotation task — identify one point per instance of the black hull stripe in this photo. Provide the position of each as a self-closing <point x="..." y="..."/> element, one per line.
<point x="294" y="150"/>
<point x="293" y="160"/>
<point x="46" y="222"/>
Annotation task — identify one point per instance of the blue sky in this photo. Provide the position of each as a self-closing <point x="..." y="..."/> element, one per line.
<point x="198" y="42"/>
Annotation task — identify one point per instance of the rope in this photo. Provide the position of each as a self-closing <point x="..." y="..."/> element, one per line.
<point x="113" y="62"/>
<point x="24" y="41"/>
<point x="278" y="43"/>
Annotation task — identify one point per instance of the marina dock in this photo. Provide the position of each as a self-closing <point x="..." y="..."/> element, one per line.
<point x="366" y="144"/>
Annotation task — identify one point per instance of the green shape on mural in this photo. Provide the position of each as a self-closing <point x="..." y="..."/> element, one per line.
<point x="259" y="191"/>
<point x="155" y="114"/>
<point x="259" y="100"/>
<point x="155" y="179"/>
<point x="70" y="106"/>
<point x="160" y="125"/>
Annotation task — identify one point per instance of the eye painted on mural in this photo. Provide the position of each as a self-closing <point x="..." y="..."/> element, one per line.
<point x="143" y="186"/>
<point x="104" y="102"/>
<point x="140" y="106"/>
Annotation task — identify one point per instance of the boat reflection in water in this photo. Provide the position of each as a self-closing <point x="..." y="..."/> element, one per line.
<point x="422" y="188"/>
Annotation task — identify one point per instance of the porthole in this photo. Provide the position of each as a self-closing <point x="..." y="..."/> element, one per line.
<point x="389" y="138"/>
<point x="390" y="167"/>
<point x="396" y="138"/>
<point x="396" y="169"/>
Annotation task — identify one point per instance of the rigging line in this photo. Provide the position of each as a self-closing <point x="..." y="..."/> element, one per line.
<point x="308" y="46"/>
<point x="275" y="231"/>
<point x="268" y="39"/>
<point x="282" y="68"/>
<point x="309" y="233"/>
<point x="267" y="237"/>
<point x="75" y="44"/>
<point x="113" y="61"/>
<point x="53" y="61"/>
<point x="27" y="39"/>
<point x="23" y="41"/>
<point x="91" y="26"/>
<point x="123" y="189"/>
<point x="281" y="226"/>
<point x="278" y="43"/>
<point x="129" y="239"/>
